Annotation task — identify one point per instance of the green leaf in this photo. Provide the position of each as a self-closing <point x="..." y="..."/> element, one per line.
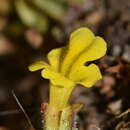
<point x="50" y="7"/>
<point x="30" y="17"/>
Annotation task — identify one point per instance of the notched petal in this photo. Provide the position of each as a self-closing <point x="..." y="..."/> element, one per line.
<point x="54" y="57"/>
<point x="37" y="66"/>
<point x="91" y="75"/>
<point x="79" y="41"/>
<point x="56" y="78"/>
<point x="95" y="51"/>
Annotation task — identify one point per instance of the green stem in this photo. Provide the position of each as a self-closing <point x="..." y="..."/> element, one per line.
<point x="66" y="120"/>
<point x="51" y="117"/>
<point x="55" y="119"/>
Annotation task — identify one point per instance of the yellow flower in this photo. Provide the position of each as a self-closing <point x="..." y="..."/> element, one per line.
<point x="66" y="66"/>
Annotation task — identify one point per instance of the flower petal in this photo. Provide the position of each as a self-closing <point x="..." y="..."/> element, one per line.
<point x="37" y="66"/>
<point x="95" y="51"/>
<point x="56" y="78"/>
<point x="79" y="40"/>
<point x="88" y="76"/>
<point x="54" y="57"/>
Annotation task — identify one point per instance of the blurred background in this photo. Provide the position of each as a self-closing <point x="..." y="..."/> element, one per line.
<point x="31" y="28"/>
